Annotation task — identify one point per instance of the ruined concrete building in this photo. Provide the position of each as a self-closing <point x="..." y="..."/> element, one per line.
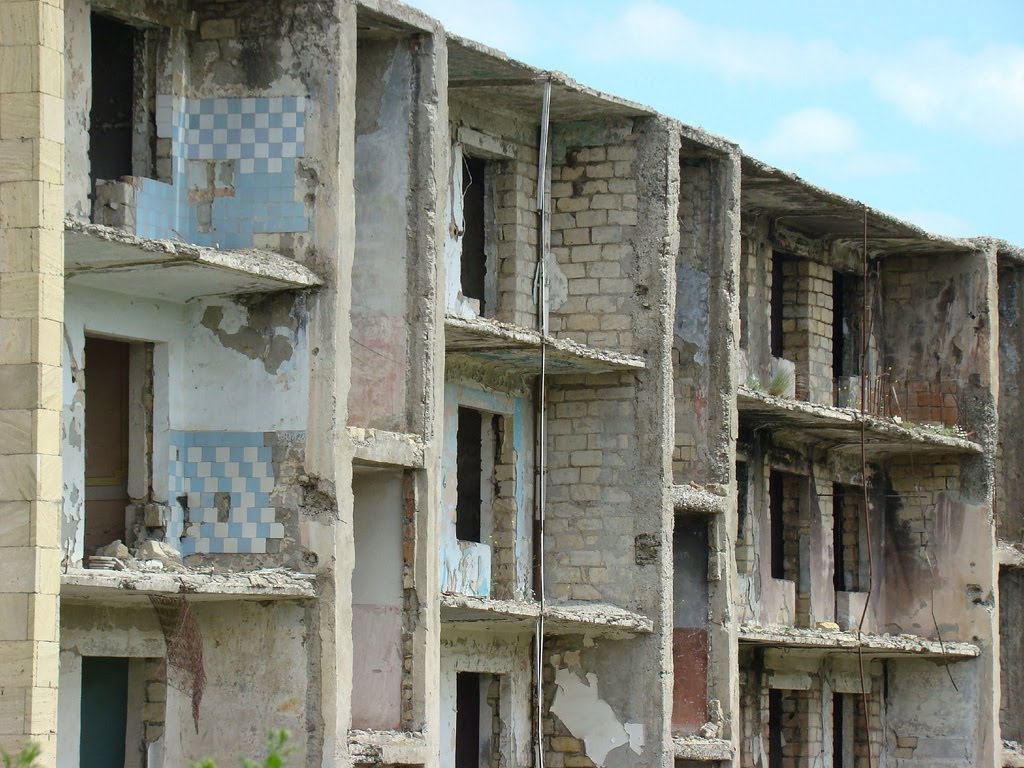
<point x="358" y="380"/>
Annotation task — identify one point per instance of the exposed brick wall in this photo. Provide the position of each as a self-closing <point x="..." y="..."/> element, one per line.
<point x="807" y="327"/>
<point x="516" y="242"/>
<point x="851" y="500"/>
<point x="592" y="466"/>
<point x="920" y="487"/>
<point x="503" y="513"/>
<point x="594" y="203"/>
<point x="410" y="608"/>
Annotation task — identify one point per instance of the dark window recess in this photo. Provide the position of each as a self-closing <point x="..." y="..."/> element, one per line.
<point x="838" y="551"/>
<point x="474" y="259"/>
<point x="104" y="711"/>
<point x="467" y="720"/>
<point x="838" y="737"/>
<point x="106" y="441"/>
<point x="775" y="729"/>
<point x="777" y="498"/>
<point x="469" y="470"/>
<point x="778" y="280"/>
<point x="838" y="336"/>
<point x="113" y="83"/>
<point x="741" y="499"/>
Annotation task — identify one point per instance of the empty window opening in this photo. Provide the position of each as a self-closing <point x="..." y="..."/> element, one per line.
<point x="468" y="479"/>
<point x="474" y="238"/>
<point x="741" y="500"/>
<point x="123" y="712"/>
<point x="843" y="730"/>
<point x="778" y="304"/>
<point x="776" y="493"/>
<point x="775" y="740"/>
<point x="849" y="571"/>
<point x="113" y="104"/>
<point x="477" y="721"/>
<point x="785" y="490"/>
<point x="106" y="441"/>
<point x="690" y="645"/>
<point x="479" y="447"/>
<point x="839" y="369"/>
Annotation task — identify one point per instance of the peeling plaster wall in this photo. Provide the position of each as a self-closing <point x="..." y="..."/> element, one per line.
<point x="380" y="304"/>
<point x="514" y="230"/>
<point x="238" y="638"/>
<point x="592" y="709"/>
<point x="377" y="597"/>
<point x="703" y="331"/>
<point x="466" y="567"/>
<point x="219" y="367"/>
<point x="922" y="704"/>
<point x="92" y="311"/>
<point x="507" y="656"/>
<point x="245" y="365"/>
<point x="1010" y="473"/>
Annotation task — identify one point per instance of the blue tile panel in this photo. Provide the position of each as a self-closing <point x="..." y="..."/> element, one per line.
<point x="259" y="137"/>
<point x="203" y="464"/>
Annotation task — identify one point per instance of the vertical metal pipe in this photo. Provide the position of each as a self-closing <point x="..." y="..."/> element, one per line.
<point x="541" y="431"/>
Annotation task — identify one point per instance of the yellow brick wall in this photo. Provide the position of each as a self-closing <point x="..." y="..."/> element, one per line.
<point x="31" y="313"/>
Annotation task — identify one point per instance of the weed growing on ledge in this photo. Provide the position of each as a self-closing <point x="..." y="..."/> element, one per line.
<point x="26" y="758"/>
<point x="277" y="753"/>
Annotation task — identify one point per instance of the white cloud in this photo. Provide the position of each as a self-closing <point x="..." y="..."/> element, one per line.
<point x="936" y="85"/>
<point x="506" y="25"/>
<point x="820" y="140"/>
<point x="653" y="30"/>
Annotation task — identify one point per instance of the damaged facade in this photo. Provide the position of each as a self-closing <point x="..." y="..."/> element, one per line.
<point x="358" y="380"/>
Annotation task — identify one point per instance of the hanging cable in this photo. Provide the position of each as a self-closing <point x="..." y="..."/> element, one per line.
<point x="541" y="296"/>
<point x="864" y="486"/>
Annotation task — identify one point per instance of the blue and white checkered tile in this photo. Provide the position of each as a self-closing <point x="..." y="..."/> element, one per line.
<point x="205" y="464"/>
<point x="246" y="128"/>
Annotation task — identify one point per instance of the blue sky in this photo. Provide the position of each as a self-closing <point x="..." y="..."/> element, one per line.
<point x="915" y="108"/>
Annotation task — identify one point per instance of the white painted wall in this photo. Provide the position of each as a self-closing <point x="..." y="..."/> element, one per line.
<point x="198" y="383"/>
<point x="223" y="389"/>
<point x="377" y="598"/>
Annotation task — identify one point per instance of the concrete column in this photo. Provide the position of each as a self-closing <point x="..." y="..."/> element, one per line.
<point x="31" y="313"/>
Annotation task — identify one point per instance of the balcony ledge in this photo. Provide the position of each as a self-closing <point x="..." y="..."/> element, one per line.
<point x="876" y="646"/>
<point x="803" y="422"/>
<point x="377" y="447"/>
<point x="519" y="349"/>
<point x="387" y="747"/>
<point x="110" y="259"/>
<point x="596" y="619"/>
<point x="701" y="749"/>
<point x="696" y="500"/>
<point x="103" y="586"/>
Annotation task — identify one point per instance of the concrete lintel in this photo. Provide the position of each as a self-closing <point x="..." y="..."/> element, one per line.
<point x="695" y="500"/>
<point x="519" y="349"/>
<point x="101" y="586"/>
<point x="790" y="681"/>
<point x="387" y="748"/>
<point x="701" y="749"/>
<point x="483" y="145"/>
<point x="113" y="260"/>
<point x="1009" y="555"/>
<point x="379" y="447"/>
